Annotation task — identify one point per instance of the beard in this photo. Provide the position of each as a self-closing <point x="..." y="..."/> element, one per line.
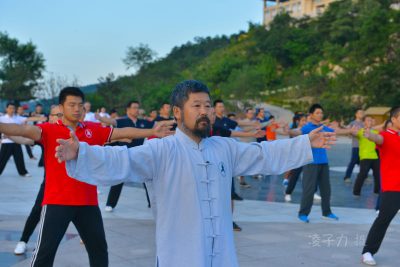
<point x="202" y="131"/>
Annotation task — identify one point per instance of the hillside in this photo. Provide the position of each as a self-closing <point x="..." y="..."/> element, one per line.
<point x="347" y="58"/>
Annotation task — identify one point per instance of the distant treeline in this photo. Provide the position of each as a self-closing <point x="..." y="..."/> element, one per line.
<point x="347" y="58"/>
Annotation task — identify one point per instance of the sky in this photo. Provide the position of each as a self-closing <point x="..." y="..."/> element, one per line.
<point x="87" y="39"/>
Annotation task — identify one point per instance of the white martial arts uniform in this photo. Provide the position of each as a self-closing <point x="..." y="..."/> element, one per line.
<point x="192" y="187"/>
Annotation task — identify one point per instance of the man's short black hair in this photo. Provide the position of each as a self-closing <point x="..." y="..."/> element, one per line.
<point x="10" y="104"/>
<point x="70" y="91"/>
<point x="248" y="109"/>
<point x="164" y="103"/>
<point x="217" y="101"/>
<point x="394" y="112"/>
<point x="367" y="116"/>
<point x="39" y="105"/>
<point x="128" y="105"/>
<point x="183" y="89"/>
<point x="315" y="107"/>
<point x="386" y="124"/>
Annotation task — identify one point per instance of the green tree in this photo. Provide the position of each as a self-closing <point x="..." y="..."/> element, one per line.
<point x="109" y="90"/>
<point x="21" y="66"/>
<point x="139" y="56"/>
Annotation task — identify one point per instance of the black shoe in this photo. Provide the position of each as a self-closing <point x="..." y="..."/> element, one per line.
<point x="236" y="227"/>
<point x="236" y="197"/>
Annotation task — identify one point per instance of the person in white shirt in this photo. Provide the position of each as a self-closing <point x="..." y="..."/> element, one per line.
<point x="103" y="112"/>
<point x="89" y="116"/>
<point x="21" y="115"/>
<point x="10" y="148"/>
<point x="190" y="174"/>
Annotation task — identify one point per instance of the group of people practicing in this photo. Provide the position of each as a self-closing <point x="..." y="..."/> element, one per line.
<point x="188" y="171"/>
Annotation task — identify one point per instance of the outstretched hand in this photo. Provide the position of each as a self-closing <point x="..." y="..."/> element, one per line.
<point x="258" y="134"/>
<point x="67" y="148"/>
<point x="320" y="139"/>
<point x="367" y="133"/>
<point x="354" y="130"/>
<point x="163" y="128"/>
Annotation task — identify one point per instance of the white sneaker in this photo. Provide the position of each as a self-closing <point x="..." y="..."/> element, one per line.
<point x="108" y="209"/>
<point x="20" y="248"/>
<point x="317" y="197"/>
<point x="288" y="197"/>
<point x="368" y="259"/>
<point x="26" y="175"/>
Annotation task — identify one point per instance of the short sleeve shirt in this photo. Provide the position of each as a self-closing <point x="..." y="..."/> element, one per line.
<point x="389" y="153"/>
<point x="270" y="131"/>
<point x="60" y="189"/>
<point x="319" y="154"/>
<point x="367" y="148"/>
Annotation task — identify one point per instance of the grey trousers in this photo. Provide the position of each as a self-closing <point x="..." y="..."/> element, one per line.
<point x="316" y="175"/>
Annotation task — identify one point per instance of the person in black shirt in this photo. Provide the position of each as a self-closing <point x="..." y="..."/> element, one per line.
<point x="223" y="126"/>
<point x="130" y="120"/>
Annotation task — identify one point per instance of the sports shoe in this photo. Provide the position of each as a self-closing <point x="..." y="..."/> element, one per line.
<point x="26" y="175"/>
<point x="304" y="218"/>
<point x="317" y="197"/>
<point x="245" y="185"/>
<point x="331" y="217"/>
<point x="20" y="248"/>
<point x="288" y="197"/>
<point x="236" y="227"/>
<point x="108" y="208"/>
<point x="347" y="180"/>
<point x="235" y="196"/>
<point x="368" y="259"/>
<point x="285" y="182"/>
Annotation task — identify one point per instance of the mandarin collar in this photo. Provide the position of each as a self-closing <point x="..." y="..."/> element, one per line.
<point x="180" y="135"/>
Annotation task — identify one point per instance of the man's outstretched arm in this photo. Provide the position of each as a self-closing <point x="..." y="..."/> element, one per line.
<point x="276" y="157"/>
<point x="108" y="165"/>
<point x="376" y="138"/>
<point x="160" y="129"/>
<point x="24" y="130"/>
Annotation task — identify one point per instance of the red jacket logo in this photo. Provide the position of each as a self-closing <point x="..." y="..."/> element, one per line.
<point x="88" y="133"/>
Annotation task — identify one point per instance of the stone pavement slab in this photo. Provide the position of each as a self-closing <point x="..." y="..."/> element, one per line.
<point x="271" y="236"/>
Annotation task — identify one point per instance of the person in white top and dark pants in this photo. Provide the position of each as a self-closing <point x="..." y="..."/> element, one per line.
<point x="8" y="147"/>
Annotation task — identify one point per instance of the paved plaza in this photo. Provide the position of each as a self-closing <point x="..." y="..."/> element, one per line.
<point x="272" y="235"/>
